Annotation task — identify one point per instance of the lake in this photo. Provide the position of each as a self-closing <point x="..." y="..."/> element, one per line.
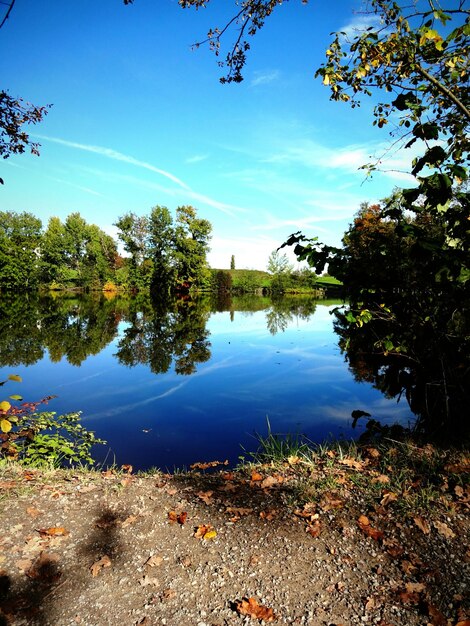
<point x="168" y="386"/>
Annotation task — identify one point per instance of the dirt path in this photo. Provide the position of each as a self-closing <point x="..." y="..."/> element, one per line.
<point x="104" y="549"/>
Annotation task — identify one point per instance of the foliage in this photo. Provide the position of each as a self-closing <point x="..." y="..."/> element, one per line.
<point x="406" y="328"/>
<point x="20" y="235"/>
<point x="166" y="255"/>
<point x="232" y="262"/>
<point x="15" y="113"/>
<point x="222" y="280"/>
<point x="42" y="439"/>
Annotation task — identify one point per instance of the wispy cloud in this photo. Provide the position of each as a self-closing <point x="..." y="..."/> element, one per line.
<point x="85" y="189"/>
<point x="116" y="156"/>
<point x="197" y="158"/>
<point x="119" y="156"/>
<point x="263" y="78"/>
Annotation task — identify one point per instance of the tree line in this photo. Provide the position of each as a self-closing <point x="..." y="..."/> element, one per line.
<point x="162" y="253"/>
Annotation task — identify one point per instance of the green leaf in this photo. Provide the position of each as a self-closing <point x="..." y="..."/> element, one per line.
<point x="16" y="397"/>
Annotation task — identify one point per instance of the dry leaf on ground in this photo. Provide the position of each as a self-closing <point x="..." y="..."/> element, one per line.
<point x="249" y="606"/>
<point x="96" y="568"/>
<point x="178" y="517"/>
<point x="205" y="531"/>
<point x="205" y="496"/>
<point x="444" y="530"/>
<point x="364" y="524"/>
<point x="422" y="524"/>
<point x="54" y="531"/>
<point x="154" y="561"/>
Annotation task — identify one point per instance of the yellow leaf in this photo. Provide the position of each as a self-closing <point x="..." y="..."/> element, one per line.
<point x="16" y="378"/>
<point x="5" y="406"/>
<point x="210" y="534"/>
<point x="326" y="79"/>
<point x="5" y="425"/>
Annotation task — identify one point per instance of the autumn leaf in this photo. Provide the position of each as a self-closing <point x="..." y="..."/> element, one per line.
<point x="256" y="476"/>
<point x="209" y="464"/>
<point x="5" y="406"/>
<point x="108" y="475"/>
<point x="15" y="377"/>
<point x="238" y="511"/>
<point x="331" y="501"/>
<point x="96" y="568"/>
<point x="270" y="481"/>
<point x="268" y="515"/>
<point x="129" y="520"/>
<point x="314" y="529"/>
<point x="437" y="618"/>
<point x="205" y="531"/>
<point x="249" y="606"/>
<point x="364" y="524"/>
<point x="178" y="517"/>
<point x="388" y="497"/>
<point x="422" y="524"/>
<point x="205" y="496"/>
<point x="349" y="462"/>
<point x="127" y="468"/>
<point x="54" y="531"/>
<point x="444" y="530"/>
<point x="154" y="561"/>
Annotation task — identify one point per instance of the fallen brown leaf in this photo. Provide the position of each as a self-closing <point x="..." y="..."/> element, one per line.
<point x="256" y="476"/>
<point x="108" y="475"/>
<point x="268" y="515"/>
<point x="349" y="462"/>
<point x="270" y="481"/>
<point x="127" y="468"/>
<point x="422" y="524"/>
<point x="388" y="497"/>
<point x="205" y="496"/>
<point x="238" y="510"/>
<point x="437" y="618"/>
<point x="167" y="594"/>
<point x="314" y="529"/>
<point x="54" y="531"/>
<point x="249" y="606"/>
<point x="205" y="531"/>
<point x="204" y="466"/>
<point x="154" y="561"/>
<point x="444" y="530"/>
<point x="178" y="517"/>
<point x="364" y="524"/>
<point x="129" y="520"/>
<point x="96" y="568"/>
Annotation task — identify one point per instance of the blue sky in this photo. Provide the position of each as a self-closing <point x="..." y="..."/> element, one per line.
<point x="139" y="119"/>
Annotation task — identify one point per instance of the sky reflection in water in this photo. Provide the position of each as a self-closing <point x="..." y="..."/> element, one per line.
<point x="296" y="378"/>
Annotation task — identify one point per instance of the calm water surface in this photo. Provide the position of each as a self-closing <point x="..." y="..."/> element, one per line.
<point x="167" y="388"/>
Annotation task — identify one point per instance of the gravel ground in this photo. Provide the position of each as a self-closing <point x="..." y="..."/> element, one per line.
<point x="104" y="549"/>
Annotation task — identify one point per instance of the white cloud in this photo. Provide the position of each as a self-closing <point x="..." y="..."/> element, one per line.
<point x="116" y="156"/>
<point x="119" y="156"/>
<point x="263" y="78"/>
<point x="359" y="24"/>
<point x="197" y="158"/>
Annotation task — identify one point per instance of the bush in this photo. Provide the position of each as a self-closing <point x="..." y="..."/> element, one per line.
<point x="43" y="439"/>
